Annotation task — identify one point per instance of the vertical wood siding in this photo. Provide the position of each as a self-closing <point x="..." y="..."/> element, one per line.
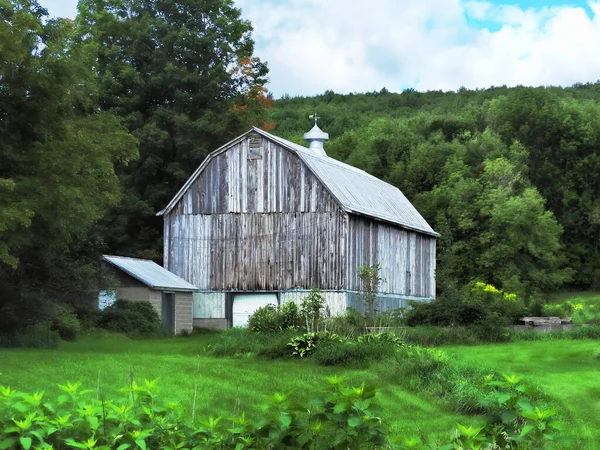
<point x="234" y="183"/>
<point x="261" y="220"/>
<point x="257" y="222"/>
<point x="407" y="258"/>
<point x="258" y="251"/>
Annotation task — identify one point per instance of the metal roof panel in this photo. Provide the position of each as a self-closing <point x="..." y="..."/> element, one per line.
<point x="359" y="192"/>
<point x="150" y="273"/>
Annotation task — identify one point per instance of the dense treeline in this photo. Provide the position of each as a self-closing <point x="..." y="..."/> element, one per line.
<point x="101" y="121"/>
<point x="103" y="118"/>
<point x="509" y="176"/>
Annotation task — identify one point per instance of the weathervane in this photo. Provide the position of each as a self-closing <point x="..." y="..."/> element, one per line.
<point x="314" y="116"/>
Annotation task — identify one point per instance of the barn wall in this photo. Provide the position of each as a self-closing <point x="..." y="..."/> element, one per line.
<point x="255" y="219"/>
<point x="250" y="252"/>
<point x="407" y="258"/>
<point x="268" y="180"/>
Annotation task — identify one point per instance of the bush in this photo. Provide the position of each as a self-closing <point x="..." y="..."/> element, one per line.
<point x="429" y="336"/>
<point x="476" y="304"/>
<point x="290" y="315"/>
<point x="272" y="318"/>
<point x="305" y="345"/>
<point x="65" y="322"/>
<point x="136" y="319"/>
<point x="348" y="416"/>
<point x="88" y="319"/>
<point x="40" y="335"/>
<point x="265" y="319"/>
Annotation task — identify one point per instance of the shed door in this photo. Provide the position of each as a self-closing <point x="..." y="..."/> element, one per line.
<point x="245" y="304"/>
<point x="168" y="312"/>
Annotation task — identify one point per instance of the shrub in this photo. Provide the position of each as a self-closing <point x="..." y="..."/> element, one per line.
<point x="312" y="309"/>
<point x="88" y="318"/>
<point x="304" y="345"/>
<point x="290" y="315"/>
<point x="271" y="318"/>
<point x="136" y="319"/>
<point x="276" y="347"/>
<point x="265" y="319"/>
<point x="474" y="304"/>
<point x="65" y="322"/>
<point x="348" y="416"/>
<point x="370" y="281"/>
<point x="40" y="335"/>
<point x="429" y="336"/>
<point x="392" y="318"/>
<point x="383" y="338"/>
<point x="337" y="416"/>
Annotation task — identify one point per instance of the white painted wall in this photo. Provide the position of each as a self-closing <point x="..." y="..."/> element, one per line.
<point x="335" y="301"/>
<point x="209" y="305"/>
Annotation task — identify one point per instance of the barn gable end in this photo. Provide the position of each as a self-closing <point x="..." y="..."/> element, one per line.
<point x="254" y="217"/>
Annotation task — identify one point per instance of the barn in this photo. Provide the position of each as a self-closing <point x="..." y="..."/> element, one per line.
<point x="264" y="220"/>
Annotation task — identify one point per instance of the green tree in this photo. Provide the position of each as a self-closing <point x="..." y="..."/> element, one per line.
<point x="57" y="154"/>
<point x="182" y="76"/>
<point x="495" y="228"/>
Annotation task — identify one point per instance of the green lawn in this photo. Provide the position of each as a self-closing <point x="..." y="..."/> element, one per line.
<point x="224" y="382"/>
<point x="567" y="371"/>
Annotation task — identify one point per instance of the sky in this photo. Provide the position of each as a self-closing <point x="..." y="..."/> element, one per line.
<point x="358" y="46"/>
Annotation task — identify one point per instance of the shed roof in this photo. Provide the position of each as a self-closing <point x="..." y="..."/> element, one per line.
<point x="355" y="190"/>
<point x="150" y="273"/>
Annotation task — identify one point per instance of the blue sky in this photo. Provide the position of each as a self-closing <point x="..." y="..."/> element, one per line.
<point x="358" y="46"/>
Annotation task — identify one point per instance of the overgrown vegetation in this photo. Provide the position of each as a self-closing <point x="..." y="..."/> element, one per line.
<point x="337" y="417"/>
<point x="131" y="318"/>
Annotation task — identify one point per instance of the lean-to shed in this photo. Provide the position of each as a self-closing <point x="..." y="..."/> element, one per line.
<point x="136" y="279"/>
<point x="263" y="220"/>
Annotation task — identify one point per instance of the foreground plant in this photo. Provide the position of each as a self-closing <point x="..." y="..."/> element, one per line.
<point x="338" y="417"/>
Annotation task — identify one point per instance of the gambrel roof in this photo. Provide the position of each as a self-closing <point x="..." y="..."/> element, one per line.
<point x="356" y="191"/>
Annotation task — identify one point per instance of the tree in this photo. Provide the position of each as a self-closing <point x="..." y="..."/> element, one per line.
<point x="57" y="154"/>
<point x="495" y="228"/>
<point x="182" y="76"/>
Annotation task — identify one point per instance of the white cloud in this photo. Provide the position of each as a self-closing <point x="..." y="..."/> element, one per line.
<point x="346" y="45"/>
<point x="358" y="45"/>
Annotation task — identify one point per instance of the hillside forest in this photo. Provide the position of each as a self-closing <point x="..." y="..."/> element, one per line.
<point x="104" y="117"/>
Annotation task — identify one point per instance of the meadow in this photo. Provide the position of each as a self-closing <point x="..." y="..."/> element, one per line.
<point x="566" y="371"/>
<point x="226" y="386"/>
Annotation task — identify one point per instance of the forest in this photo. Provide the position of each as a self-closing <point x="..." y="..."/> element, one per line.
<point x="104" y="117"/>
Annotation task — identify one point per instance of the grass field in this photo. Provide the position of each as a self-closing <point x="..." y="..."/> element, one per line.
<point x="225" y="384"/>
<point x="567" y="371"/>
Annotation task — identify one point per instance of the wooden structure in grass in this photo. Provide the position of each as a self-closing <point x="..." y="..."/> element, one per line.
<point x="266" y="217"/>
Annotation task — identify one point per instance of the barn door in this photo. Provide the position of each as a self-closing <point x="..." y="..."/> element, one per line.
<point x="168" y="312"/>
<point x="244" y="306"/>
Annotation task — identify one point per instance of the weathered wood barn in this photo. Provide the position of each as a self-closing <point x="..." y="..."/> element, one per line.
<point x="263" y="220"/>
